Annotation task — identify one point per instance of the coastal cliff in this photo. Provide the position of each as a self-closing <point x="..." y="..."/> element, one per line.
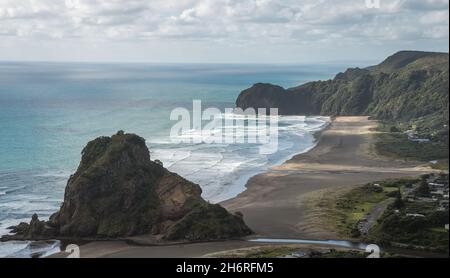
<point x="409" y="86"/>
<point x="117" y="191"/>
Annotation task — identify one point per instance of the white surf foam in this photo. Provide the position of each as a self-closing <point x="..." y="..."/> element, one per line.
<point x="222" y="170"/>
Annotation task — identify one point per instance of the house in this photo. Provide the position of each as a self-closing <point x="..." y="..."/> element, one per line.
<point x="426" y="200"/>
<point x="443" y="203"/>
<point x="412" y="136"/>
<point x="437" y="194"/>
<point x="434" y="185"/>
<point x="415" y="215"/>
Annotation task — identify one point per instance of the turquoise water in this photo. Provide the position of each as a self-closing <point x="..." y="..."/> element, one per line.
<point x="49" y="111"/>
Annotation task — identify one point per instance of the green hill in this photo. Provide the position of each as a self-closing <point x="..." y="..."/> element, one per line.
<point x="409" y="88"/>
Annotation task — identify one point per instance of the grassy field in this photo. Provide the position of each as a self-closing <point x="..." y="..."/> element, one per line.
<point x="290" y="251"/>
<point x="356" y="205"/>
<point x="270" y="252"/>
<point x="281" y="251"/>
<point x="347" y="210"/>
<point x="397" y="145"/>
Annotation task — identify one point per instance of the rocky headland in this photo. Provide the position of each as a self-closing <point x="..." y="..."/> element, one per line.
<point x="408" y="87"/>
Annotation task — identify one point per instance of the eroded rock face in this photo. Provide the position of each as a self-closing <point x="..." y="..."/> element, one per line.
<point x="117" y="191"/>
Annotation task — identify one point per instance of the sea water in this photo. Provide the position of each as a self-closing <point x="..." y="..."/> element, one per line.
<point x="49" y="111"/>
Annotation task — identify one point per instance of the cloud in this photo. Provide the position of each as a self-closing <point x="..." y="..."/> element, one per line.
<point x="226" y="22"/>
<point x="421" y="5"/>
<point x="215" y="18"/>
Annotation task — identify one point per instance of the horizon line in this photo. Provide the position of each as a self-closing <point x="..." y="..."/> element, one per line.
<point x="331" y="61"/>
<point x="186" y="63"/>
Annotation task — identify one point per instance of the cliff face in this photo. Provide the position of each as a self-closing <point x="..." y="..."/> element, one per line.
<point x="407" y="86"/>
<point x="118" y="191"/>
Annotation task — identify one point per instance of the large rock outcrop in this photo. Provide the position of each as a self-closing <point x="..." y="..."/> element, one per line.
<point x="117" y="191"/>
<point x="409" y="86"/>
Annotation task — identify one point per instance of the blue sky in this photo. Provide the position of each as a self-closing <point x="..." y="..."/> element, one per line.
<point x="219" y="31"/>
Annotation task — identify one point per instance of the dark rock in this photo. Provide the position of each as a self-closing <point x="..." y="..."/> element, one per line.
<point x="208" y="222"/>
<point x="19" y="229"/>
<point x="117" y="191"/>
<point x="263" y="96"/>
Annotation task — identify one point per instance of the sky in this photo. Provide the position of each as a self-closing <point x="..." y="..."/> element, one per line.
<point x="219" y="31"/>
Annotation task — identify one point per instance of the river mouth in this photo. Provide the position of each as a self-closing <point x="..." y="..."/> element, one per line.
<point x="331" y="243"/>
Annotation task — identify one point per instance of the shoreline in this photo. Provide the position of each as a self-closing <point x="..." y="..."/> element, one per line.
<point x="241" y="182"/>
<point x="274" y="203"/>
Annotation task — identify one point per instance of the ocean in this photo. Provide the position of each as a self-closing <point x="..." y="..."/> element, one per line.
<point x="49" y="111"/>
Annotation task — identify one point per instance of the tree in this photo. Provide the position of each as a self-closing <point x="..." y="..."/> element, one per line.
<point x="423" y="190"/>
<point x="398" y="203"/>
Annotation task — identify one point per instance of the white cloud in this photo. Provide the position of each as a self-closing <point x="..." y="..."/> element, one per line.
<point x="422" y="5"/>
<point x="230" y="22"/>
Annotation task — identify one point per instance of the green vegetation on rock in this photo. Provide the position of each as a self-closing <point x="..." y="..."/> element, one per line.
<point x="409" y="88"/>
<point x="117" y="191"/>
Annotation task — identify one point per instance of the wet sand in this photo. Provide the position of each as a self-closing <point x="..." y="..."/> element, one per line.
<point x="275" y="204"/>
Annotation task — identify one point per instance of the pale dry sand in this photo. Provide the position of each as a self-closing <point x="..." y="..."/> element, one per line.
<point x="277" y="203"/>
